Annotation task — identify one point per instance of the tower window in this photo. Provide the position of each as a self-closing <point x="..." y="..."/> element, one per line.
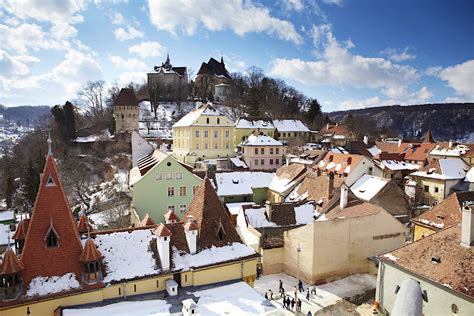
<point x="50" y="181"/>
<point x="51" y="239"/>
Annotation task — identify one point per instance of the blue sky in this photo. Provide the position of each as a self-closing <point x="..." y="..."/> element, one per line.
<point x="348" y="54"/>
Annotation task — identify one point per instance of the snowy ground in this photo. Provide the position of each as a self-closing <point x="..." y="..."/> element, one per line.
<point x="237" y="299"/>
<point x="327" y="294"/>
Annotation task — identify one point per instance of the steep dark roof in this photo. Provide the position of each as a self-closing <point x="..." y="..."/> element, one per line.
<point x="213" y="68"/>
<point x="209" y="213"/>
<point x="126" y="96"/>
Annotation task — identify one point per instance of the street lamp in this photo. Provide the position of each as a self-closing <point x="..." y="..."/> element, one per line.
<point x="298" y="250"/>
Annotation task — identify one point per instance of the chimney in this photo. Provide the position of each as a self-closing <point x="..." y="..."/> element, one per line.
<point x="268" y="210"/>
<point x="190" y="229"/>
<point x="330" y="158"/>
<point x="330" y="183"/>
<point x="366" y="140"/>
<point x="399" y="142"/>
<point x="450" y="144"/>
<point x="349" y="161"/>
<point x="467" y="225"/>
<point x="344" y="196"/>
<point x="163" y="237"/>
<point x="327" y="126"/>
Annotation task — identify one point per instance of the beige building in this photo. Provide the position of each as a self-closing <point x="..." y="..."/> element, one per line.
<point x="441" y="265"/>
<point x="166" y="75"/>
<point x="126" y="111"/>
<point x="292" y="131"/>
<point x="244" y="127"/>
<point x="262" y="152"/>
<point x="204" y="133"/>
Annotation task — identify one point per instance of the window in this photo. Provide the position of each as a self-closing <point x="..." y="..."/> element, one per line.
<point x="271" y="151"/>
<point x="256" y="151"/>
<point x="427" y="188"/>
<point x="227" y="146"/>
<point x="207" y="120"/>
<point x="277" y="161"/>
<point x="182" y="191"/>
<point x="271" y="161"/>
<point x="197" y="133"/>
<point x="197" y="146"/>
<point x="262" y="162"/>
<point x="216" y="134"/>
<point x="218" y="120"/>
<point x="370" y="170"/>
<point x="179" y="175"/>
<point x="50" y="182"/>
<point x="227" y="134"/>
<point x="169" y="176"/>
<point x="170" y="191"/>
<point x="256" y="162"/>
<point x="277" y="151"/>
<point x="182" y="208"/>
<point x="159" y="176"/>
<point x="171" y="207"/>
<point x="195" y="188"/>
<point x="206" y="134"/>
<point x="295" y="134"/>
<point x="216" y="145"/>
<point x="51" y="239"/>
<point x="436" y="189"/>
<point x="262" y="151"/>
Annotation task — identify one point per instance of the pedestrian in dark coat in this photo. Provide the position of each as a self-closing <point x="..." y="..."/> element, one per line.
<point x="300" y="286"/>
<point x="288" y="302"/>
<point x="293" y="303"/>
<point x="281" y="285"/>
<point x="266" y="296"/>
<point x="298" y="305"/>
<point x="307" y="294"/>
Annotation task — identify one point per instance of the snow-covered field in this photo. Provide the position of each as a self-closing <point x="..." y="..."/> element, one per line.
<point x="327" y="294"/>
<point x="141" y="308"/>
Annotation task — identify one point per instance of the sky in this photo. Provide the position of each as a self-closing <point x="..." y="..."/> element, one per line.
<point x="346" y="53"/>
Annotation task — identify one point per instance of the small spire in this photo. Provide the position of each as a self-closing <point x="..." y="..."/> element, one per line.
<point x="50" y="153"/>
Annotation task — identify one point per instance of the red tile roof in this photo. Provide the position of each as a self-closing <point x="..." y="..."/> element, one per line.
<point x="126" y="96"/>
<point x="210" y="216"/>
<point x="90" y="252"/>
<point x="335" y="130"/>
<point x="10" y="263"/>
<point x="337" y="163"/>
<point x="162" y="231"/>
<point x="22" y="229"/>
<point x="83" y="225"/>
<point x="147" y="221"/>
<point x="51" y="207"/>
<point x="354" y="208"/>
<point x="190" y="225"/>
<point x="171" y="216"/>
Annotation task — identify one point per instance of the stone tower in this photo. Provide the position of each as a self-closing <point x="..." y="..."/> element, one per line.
<point x="126" y="111"/>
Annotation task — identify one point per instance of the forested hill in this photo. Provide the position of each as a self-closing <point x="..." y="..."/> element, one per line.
<point x="26" y="115"/>
<point x="445" y="120"/>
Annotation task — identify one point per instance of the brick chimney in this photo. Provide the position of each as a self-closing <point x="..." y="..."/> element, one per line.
<point x="467" y="225"/>
<point x="330" y="183"/>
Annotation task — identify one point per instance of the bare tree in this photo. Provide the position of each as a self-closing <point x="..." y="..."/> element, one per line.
<point x="94" y="98"/>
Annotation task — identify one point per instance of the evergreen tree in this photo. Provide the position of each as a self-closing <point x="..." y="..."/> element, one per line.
<point x="9" y="189"/>
<point x="28" y="181"/>
<point x="69" y="121"/>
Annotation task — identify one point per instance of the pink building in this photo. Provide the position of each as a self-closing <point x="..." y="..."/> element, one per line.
<point x="262" y="152"/>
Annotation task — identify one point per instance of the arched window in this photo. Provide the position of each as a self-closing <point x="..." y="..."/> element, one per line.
<point x="52" y="238"/>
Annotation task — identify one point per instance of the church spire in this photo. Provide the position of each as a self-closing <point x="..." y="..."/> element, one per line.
<point x="50" y="153"/>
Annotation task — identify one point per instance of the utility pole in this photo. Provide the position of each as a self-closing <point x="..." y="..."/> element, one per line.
<point x="298" y="250"/>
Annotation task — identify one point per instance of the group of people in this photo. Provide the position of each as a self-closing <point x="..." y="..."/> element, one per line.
<point x="288" y="302"/>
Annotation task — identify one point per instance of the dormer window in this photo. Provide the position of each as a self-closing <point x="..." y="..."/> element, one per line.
<point x="50" y="181"/>
<point x="52" y="238"/>
<point x="220" y="232"/>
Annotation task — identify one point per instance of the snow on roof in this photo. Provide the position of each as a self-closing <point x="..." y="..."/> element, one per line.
<point x="399" y="165"/>
<point x="234" y="208"/>
<point x="138" y="308"/>
<point x="368" y="186"/>
<point x="192" y="116"/>
<point x="304" y="214"/>
<point x="374" y="151"/>
<point x="248" y="123"/>
<point x="456" y="151"/>
<point x="470" y="175"/>
<point x="451" y="169"/>
<point x="261" y="140"/>
<point x="241" y="183"/>
<point x="48" y="285"/>
<point x="233" y="299"/>
<point x="6" y="216"/>
<point x="290" y="126"/>
<point x="213" y="255"/>
<point x="121" y="250"/>
<point x="238" y="162"/>
<point x="256" y="218"/>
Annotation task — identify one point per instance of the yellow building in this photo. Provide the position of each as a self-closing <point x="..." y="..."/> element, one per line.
<point x="204" y="133"/>
<point x="445" y="214"/>
<point x="244" y="127"/>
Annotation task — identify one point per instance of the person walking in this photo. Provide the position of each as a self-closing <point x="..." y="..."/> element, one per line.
<point x="288" y="302"/>
<point x="313" y="290"/>
<point x="300" y="286"/>
<point x="282" y="292"/>
<point x="271" y="294"/>
<point x="298" y="305"/>
<point x="293" y="303"/>
<point x="307" y="294"/>
<point x="281" y="285"/>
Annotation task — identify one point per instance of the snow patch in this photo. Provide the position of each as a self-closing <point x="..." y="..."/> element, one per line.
<point x="49" y="285"/>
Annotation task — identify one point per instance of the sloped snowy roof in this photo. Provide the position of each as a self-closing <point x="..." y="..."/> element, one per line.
<point x="257" y="218"/>
<point x="41" y="286"/>
<point x="290" y="126"/>
<point x="248" y="123"/>
<point x="470" y="175"/>
<point x="399" y="165"/>
<point x="368" y="186"/>
<point x="241" y="183"/>
<point x="191" y="117"/>
<point x="234" y="208"/>
<point x="261" y="140"/>
<point x="374" y="151"/>
<point x="450" y="169"/>
<point x="238" y="162"/>
<point x="456" y="151"/>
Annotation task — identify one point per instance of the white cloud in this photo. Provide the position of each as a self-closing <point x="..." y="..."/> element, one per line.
<point x="131" y="64"/>
<point x="11" y="66"/>
<point x="147" y="49"/>
<point x="461" y="78"/>
<point x="116" y="18"/>
<point x="63" y="30"/>
<point x="398" y="55"/>
<point x="135" y="77"/>
<point x="336" y="2"/>
<point x="296" y="5"/>
<point x="44" y="10"/>
<point x="433" y="71"/>
<point x="21" y="38"/>
<point x="337" y="65"/>
<point x="128" y="33"/>
<point x="215" y="15"/>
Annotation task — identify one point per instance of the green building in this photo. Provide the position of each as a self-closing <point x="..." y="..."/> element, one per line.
<point x="159" y="182"/>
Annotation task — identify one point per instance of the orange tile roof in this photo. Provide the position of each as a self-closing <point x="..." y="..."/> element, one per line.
<point x="334" y="129"/>
<point x="147" y="221"/>
<point x="10" y="263"/>
<point x="171" y="216"/>
<point x="354" y="208"/>
<point x="455" y="266"/>
<point x="51" y="207"/>
<point x="162" y="231"/>
<point x="338" y="163"/>
<point x="447" y="213"/>
<point x="90" y="252"/>
<point x="190" y="225"/>
<point x="416" y="152"/>
<point x="83" y="225"/>
<point x="22" y="229"/>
